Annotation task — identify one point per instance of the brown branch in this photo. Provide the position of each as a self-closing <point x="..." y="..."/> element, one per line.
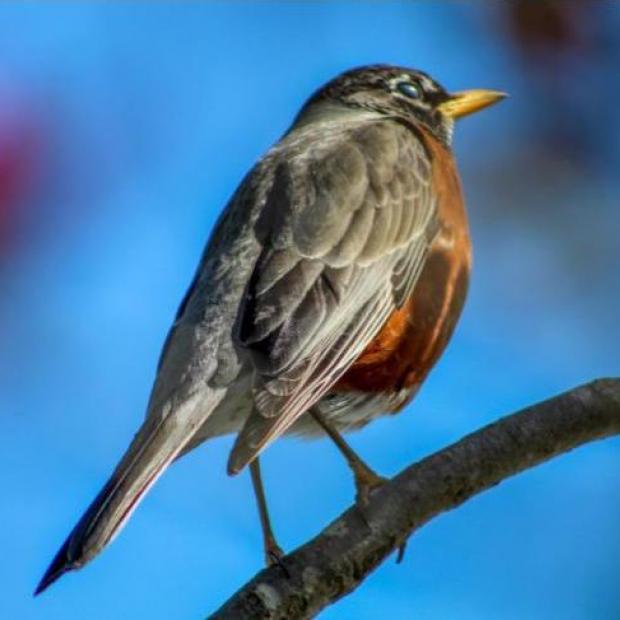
<point x="350" y="548"/>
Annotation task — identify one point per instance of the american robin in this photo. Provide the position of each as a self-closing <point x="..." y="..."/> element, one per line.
<point x="330" y="286"/>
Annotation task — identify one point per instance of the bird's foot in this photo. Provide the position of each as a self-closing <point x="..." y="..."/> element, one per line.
<point x="274" y="556"/>
<point x="400" y="555"/>
<point x="366" y="482"/>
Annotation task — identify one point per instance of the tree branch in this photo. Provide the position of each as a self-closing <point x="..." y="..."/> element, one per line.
<point x="351" y="547"/>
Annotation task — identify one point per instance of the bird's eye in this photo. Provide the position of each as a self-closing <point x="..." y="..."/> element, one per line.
<point x="409" y="90"/>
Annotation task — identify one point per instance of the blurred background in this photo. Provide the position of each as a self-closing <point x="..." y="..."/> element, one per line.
<point x="123" y="131"/>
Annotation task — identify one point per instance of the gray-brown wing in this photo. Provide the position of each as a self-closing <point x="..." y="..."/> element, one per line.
<point x="346" y="229"/>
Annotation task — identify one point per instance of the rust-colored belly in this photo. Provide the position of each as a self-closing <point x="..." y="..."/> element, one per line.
<point x="411" y="341"/>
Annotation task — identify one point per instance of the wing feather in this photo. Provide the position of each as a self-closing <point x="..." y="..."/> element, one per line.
<point x="357" y="223"/>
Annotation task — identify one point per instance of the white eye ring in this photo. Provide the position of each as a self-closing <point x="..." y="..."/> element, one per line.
<point x="409" y="90"/>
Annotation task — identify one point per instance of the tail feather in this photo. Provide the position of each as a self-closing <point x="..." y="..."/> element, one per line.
<point x="155" y="446"/>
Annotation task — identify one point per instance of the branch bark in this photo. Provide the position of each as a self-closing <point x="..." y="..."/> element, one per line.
<point x="338" y="560"/>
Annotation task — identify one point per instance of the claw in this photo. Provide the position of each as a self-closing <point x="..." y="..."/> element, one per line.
<point x="366" y="482"/>
<point x="273" y="553"/>
<point x="274" y="556"/>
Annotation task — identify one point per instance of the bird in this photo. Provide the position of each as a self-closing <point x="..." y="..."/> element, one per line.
<point x="327" y="291"/>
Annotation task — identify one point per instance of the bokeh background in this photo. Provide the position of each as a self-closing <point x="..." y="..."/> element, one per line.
<point x="124" y="129"/>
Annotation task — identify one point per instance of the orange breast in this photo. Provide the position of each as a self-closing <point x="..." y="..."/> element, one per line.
<point x="413" y="338"/>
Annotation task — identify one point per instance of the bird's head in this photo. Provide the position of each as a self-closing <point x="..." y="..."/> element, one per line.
<point x="401" y="92"/>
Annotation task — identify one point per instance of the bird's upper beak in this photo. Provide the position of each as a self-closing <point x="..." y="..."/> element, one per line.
<point x="469" y="101"/>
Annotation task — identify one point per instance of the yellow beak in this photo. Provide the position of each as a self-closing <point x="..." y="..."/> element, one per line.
<point x="469" y="101"/>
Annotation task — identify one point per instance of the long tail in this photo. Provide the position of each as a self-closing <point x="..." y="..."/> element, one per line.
<point x="157" y="443"/>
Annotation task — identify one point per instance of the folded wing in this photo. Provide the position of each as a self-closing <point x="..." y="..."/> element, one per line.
<point x="346" y="228"/>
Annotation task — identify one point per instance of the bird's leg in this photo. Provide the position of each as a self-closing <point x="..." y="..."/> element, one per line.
<point x="273" y="552"/>
<point x="365" y="478"/>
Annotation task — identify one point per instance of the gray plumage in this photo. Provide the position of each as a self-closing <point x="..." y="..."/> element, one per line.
<point x="348" y="219"/>
<point x="322" y="240"/>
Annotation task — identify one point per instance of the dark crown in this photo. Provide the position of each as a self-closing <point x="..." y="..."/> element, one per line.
<point x="383" y="89"/>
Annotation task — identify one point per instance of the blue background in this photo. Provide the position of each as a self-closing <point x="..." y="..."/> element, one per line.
<point x="123" y="131"/>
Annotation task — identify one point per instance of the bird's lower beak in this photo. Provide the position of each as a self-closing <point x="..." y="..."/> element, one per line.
<point x="469" y="101"/>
